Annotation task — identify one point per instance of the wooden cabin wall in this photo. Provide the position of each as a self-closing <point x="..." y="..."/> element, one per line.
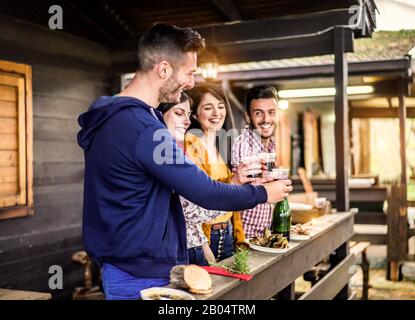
<point x="68" y="73"/>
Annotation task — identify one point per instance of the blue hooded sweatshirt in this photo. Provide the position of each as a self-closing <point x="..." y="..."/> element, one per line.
<point x="132" y="217"/>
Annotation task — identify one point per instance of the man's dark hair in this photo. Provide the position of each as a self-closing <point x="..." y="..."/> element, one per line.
<point x="166" y="106"/>
<point x="166" y="42"/>
<point x="259" y="92"/>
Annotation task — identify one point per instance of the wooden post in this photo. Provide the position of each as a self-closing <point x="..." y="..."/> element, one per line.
<point x="397" y="244"/>
<point x="402" y="126"/>
<point x="342" y="123"/>
<point x="351" y="146"/>
<point x="365" y="269"/>
<point x="397" y="237"/>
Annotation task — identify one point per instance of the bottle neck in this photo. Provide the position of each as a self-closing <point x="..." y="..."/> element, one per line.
<point x="283" y="200"/>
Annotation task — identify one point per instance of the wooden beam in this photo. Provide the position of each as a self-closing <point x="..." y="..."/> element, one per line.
<point x="374" y="239"/>
<point x="121" y="23"/>
<point x="390" y="67"/>
<point x="92" y="22"/>
<point x="14" y="212"/>
<point x="281" y="37"/>
<point x="227" y="9"/>
<point x="367" y="112"/>
<point x="280" y="27"/>
<point x="341" y="124"/>
<point x="258" y="50"/>
<point x="372" y="195"/>
<point x="61" y="50"/>
<point x="328" y="287"/>
<point x="370" y="217"/>
<point x="341" y="253"/>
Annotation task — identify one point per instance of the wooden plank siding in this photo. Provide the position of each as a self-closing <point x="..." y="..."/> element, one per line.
<point x="8" y="174"/>
<point x="7" y="93"/>
<point x="8" y="126"/>
<point x="8" y="142"/>
<point x="8" y="158"/>
<point x="68" y="74"/>
<point x="7" y="109"/>
<point x="8" y="188"/>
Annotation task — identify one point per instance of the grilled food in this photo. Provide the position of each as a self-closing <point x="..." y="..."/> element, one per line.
<point x="270" y="240"/>
<point x="300" y="230"/>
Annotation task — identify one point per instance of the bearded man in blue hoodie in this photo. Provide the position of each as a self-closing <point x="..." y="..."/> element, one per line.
<point x="133" y="223"/>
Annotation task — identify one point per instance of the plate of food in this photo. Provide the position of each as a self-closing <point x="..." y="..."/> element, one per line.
<point x="271" y="243"/>
<point x="160" y="293"/>
<point x="299" y="232"/>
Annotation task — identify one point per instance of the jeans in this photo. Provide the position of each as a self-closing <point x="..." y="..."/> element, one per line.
<point x="120" y="285"/>
<point x="196" y="256"/>
<point x="221" y="242"/>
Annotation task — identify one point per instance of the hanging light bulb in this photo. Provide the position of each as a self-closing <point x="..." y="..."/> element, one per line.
<point x="209" y="64"/>
<point x="209" y="70"/>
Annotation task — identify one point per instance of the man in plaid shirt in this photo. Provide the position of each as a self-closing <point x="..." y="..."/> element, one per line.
<point x="258" y="136"/>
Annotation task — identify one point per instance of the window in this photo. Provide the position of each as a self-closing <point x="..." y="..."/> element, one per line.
<point x="16" y="140"/>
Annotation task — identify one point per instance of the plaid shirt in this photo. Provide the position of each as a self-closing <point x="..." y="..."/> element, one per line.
<point x="247" y="144"/>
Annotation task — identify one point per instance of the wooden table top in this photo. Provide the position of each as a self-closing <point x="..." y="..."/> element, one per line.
<point x="8" y="294"/>
<point x="333" y="230"/>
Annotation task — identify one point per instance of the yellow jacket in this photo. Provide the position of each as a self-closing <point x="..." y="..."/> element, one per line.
<point x="197" y="152"/>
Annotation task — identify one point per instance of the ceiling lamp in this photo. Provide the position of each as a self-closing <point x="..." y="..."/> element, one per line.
<point x="209" y="64"/>
<point x="322" y="92"/>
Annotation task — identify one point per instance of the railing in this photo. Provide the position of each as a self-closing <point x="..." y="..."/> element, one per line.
<point x="276" y="273"/>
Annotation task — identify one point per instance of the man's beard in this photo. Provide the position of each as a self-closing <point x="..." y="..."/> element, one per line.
<point x="260" y="130"/>
<point x="168" y="92"/>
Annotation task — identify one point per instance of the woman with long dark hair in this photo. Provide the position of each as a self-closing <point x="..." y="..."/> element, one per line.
<point x="206" y="145"/>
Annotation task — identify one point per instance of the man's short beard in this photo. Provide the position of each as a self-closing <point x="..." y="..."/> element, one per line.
<point x="271" y="135"/>
<point x="167" y="92"/>
<point x="259" y="130"/>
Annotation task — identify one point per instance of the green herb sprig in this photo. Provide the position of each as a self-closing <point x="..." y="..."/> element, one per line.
<point x="240" y="262"/>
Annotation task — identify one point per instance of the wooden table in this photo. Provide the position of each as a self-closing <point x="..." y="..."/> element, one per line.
<point x="276" y="273"/>
<point x="7" y="294"/>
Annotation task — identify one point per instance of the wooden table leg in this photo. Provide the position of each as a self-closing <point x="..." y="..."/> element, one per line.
<point x="365" y="269"/>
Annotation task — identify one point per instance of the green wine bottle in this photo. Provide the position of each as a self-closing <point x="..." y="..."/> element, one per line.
<point x="281" y="219"/>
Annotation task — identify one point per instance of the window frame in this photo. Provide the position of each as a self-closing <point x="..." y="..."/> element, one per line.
<point x="23" y="73"/>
